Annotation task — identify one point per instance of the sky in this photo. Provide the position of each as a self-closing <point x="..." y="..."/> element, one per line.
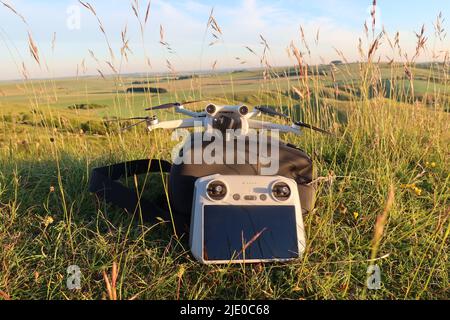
<point x="339" y="24"/>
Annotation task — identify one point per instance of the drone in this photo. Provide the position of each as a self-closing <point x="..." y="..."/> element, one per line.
<point x="221" y="118"/>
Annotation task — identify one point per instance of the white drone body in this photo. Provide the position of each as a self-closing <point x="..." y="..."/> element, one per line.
<point x="213" y="113"/>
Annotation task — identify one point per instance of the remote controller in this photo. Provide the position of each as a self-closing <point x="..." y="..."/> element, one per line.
<point x="247" y="219"/>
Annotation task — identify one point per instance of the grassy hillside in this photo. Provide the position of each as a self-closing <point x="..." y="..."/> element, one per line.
<point x="49" y="220"/>
<point x="383" y="195"/>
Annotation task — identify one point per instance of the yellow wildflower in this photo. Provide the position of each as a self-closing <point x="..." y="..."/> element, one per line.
<point x="418" y="191"/>
<point x="181" y="271"/>
<point x="48" y="221"/>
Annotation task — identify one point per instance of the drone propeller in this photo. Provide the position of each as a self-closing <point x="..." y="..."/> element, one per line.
<point x="305" y="125"/>
<point x="127" y="119"/>
<point x="171" y="105"/>
<point x="150" y="120"/>
<point x="271" y="112"/>
<point x="135" y="124"/>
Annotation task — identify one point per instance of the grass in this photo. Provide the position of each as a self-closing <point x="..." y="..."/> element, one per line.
<point x="383" y="196"/>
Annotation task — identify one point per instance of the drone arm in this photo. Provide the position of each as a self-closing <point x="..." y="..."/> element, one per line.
<point x="182" y="110"/>
<point x="256" y="124"/>
<point x="176" y="124"/>
<point x="254" y="113"/>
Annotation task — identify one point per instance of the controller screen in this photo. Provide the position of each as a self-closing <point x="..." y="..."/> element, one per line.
<point x="249" y="232"/>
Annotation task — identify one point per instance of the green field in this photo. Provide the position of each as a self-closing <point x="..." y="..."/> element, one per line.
<point x="390" y="158"/>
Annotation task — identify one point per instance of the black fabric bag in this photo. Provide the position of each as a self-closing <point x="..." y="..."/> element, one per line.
<point x="293" y="163"/>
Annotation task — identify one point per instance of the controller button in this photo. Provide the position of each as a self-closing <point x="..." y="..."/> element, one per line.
<point x="217" y="190"/>
<point x="281" y="191"/>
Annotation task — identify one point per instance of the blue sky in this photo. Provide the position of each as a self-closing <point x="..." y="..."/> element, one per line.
<point x="242" y="21"/>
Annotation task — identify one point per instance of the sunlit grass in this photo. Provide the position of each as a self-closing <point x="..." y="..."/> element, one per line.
<point x="383" y="195"/>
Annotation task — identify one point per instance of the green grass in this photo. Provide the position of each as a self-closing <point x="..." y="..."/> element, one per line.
<point x="45" y="167"/>
<point x="383" y="196"/>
